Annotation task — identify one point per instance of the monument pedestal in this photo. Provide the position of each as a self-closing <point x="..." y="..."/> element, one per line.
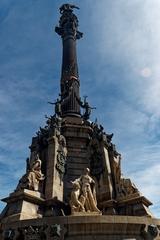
<point x="24" y="204"/>
<point x="134" y="205"/>
<point x="85" y="228"/>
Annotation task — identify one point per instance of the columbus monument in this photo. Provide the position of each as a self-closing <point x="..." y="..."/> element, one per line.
<point x="73" y="187"/>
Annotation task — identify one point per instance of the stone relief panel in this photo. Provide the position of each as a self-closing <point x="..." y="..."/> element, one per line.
<point x="9" y="234"/>
<point x="61" y="156"/>
<point x="149" y="232"/>
<point x="55" y="231"/>
<point x="34" y="233"/>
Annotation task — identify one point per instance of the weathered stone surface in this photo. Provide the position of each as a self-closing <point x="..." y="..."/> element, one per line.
<point x="91" y="227"/>
<point x="23" y="205"/>
<point x="57" y="152"/>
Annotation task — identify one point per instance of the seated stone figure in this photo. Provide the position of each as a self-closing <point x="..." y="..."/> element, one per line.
<point x="84" y="192"/>
<point x="32" y="178"/>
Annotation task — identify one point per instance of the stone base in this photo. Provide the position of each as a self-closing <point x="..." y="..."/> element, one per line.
<point x="86" y="214"/>
<point x="134" y="205"/>
<point x="24" y="204"/>
<point x="108" y="207"/>
<point x="84" y="228"/>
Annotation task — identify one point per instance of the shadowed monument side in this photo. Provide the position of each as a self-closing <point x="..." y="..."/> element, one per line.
<point x="73" y="187"/>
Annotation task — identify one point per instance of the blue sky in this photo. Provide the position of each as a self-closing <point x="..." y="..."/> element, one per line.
<point x="119" y="65"/>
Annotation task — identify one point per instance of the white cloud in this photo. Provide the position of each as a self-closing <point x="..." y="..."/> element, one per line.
<point x="146" y="179"/>
<point x="128" y="33"/>
<point x="146" y="72"/>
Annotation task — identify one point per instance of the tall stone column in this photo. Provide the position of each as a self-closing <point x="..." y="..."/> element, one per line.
<point x="68" y="30"/>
